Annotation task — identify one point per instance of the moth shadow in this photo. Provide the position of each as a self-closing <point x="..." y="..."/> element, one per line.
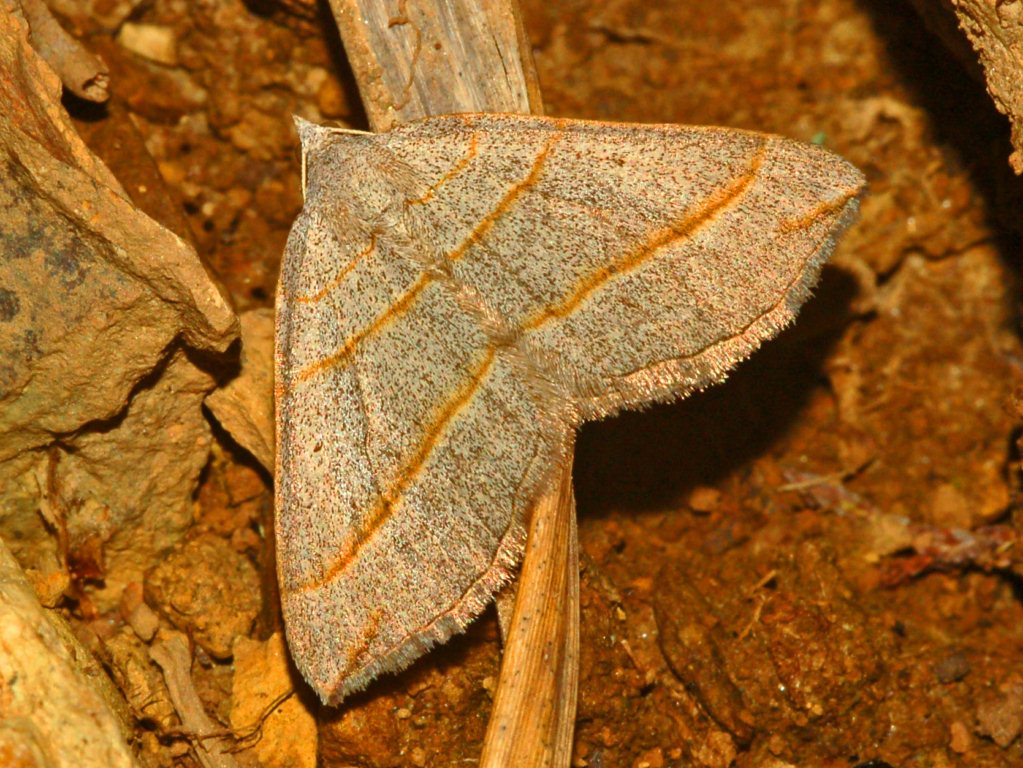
<point x="650" y="460"/>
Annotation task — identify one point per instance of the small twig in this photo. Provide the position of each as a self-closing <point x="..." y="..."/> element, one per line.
<point x="175" y="660"/>
<point x="757" y="610"/>
<point x="82" y="73"/>
<point x="809" y="481"/>
<point x="256" y="729"/>
<point x="766" y="579"/>
<point x="464" y="56"/>
<point x="533" y="719"/>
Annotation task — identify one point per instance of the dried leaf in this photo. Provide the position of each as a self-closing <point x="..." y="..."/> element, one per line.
<point x="99" y="306"/>
<point x="244" y="406"/>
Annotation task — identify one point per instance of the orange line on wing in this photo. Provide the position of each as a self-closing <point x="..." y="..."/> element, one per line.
<point x="488" y="221"/>
<point x="396" y="310"/>
<point x="402" y="305"/>
<point x="804" y="222"/>
<point x="391" y="499"/>
<point x="312" y="298"/>
<point x="457" y="169"/>
<point x="686" y="227"/>
<point x="368" y="635"/>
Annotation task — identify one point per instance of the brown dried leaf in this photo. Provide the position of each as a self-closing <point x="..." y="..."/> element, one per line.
<point x="96" y="305"/>
<point x="245" y="406"/>
<point x="283" y="728"/>
<point x="94" y="291"/>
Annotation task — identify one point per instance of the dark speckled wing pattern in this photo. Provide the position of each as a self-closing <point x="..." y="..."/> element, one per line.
<point x="457" y="296"/>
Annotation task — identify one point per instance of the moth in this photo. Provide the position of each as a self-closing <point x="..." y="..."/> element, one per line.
<point x="456" y="297"/>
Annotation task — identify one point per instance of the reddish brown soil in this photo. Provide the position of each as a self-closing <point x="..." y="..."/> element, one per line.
<point x="770" y="570"/>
